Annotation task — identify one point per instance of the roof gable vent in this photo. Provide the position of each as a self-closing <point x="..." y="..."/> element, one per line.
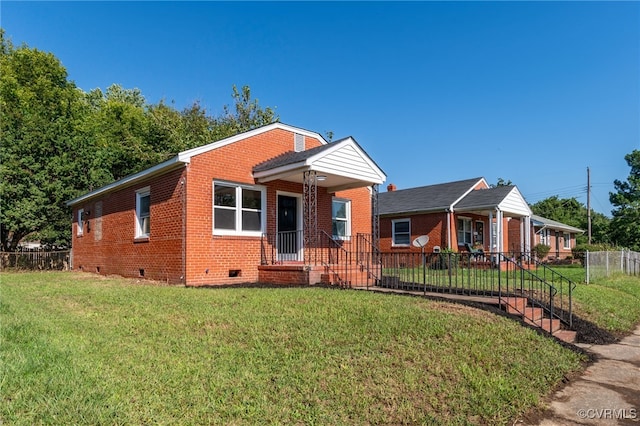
<point x="298" y="144"/>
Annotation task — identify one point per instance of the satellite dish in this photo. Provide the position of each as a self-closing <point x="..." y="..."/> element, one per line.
<point x="421" y="241"/>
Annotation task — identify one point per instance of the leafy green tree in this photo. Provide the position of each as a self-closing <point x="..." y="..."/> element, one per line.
<point x="116" y="129"/>
<point x="625" y="224"/>
<point x="573" y="213"/>
<point x="246" y="115"/>
<point x="38" y="112"/>
<point x="501" y="182"/>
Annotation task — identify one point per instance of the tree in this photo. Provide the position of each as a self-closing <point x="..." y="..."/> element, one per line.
<point x="573" y="213"/>
<point x="116" y="130"/>
<point x="625" y="224"/>
<point x="38" y="111"/>
<point x="501" y="182"/>
<point x="247" y="115"/>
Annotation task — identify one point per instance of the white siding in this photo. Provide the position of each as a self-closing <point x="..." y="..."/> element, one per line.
<point x="347" y="161"/>
<point x="514" y="203"/>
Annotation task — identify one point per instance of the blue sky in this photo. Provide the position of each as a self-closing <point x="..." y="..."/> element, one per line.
<point x="532" y="92"/>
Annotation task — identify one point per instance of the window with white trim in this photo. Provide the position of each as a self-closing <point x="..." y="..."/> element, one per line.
<point x="237" y="209"/>
<point x="566" y="240"/>
<point x="341" y="218"/>
<point x="464" y="231"/>
<point x="143" y="213"/>
<point x="544" y="237"/>
<point x="401" y="232"/>
<point x="80" y="227"/>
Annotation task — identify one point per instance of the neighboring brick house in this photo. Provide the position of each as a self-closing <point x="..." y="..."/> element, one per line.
<point x="453" y="215"/>
<point x="559" y="237"/>
<point x="245" y="209"/>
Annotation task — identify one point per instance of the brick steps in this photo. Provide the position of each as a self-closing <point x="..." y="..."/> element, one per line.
<point x="354" y="275"/>
<point x="535" y="317"/>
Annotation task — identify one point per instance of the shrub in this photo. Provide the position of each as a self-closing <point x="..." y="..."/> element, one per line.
<point x="541" y="250"/>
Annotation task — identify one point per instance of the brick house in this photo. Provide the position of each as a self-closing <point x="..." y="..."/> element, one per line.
<point x="454" y="215"/>
<point x="559" y="237"/>
<point x="277" y="204"/>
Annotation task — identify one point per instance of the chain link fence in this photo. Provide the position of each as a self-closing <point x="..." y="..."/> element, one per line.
<point x="602" y="264"/>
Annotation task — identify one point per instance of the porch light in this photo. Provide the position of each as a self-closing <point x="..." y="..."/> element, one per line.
<point x="321" y="178"/>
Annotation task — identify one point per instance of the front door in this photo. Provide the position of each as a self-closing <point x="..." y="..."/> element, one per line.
<point x="288" y="234"/>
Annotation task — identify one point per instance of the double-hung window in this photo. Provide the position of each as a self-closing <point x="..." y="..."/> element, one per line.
<point x="544" y="237"/>
<point x="80" y="227"/>
<point x="464" y="231"/>
<point x="340" y="218"/>
<point x="143" y="213"/>
<point x="566" y="240"/>
<point x="401" y="232"/>
<point x="237" y="209"/>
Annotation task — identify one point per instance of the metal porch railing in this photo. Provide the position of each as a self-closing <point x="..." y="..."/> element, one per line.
<point x="349" y="260"/>
<point x="487" y="274"/>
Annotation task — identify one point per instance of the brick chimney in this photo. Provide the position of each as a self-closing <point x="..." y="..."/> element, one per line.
<point x="391" y="187"/>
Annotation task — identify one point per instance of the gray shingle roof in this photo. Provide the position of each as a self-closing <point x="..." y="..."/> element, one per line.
<point x="484" y="198"/>
<point x="540" y="221"/>
<point x="290" y="157"/>
<point x="424" y="198"/>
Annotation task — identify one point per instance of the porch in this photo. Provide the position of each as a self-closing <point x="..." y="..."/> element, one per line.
<point x="293" y="258"/>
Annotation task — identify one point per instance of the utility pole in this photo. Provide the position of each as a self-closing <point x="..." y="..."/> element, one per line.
<point x="589" y="204"/>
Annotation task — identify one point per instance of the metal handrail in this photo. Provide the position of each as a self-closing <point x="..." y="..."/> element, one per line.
<point x="564" y="301"/>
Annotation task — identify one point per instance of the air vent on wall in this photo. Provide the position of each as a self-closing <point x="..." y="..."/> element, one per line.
<point x="298" y="142"/>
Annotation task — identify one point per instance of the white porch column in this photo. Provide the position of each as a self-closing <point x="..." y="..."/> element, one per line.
<point x="491" y="236"/>
<point x="499" y="231"/>
<point x="527" y="235"/>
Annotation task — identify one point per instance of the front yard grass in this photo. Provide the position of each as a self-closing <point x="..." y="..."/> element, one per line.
<point x="612" y="304"/>
<point x="83" y="349"/>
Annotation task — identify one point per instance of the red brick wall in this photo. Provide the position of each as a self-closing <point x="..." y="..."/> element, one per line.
<point x="434" y="225"/>
<point x="211" y="257"/>
<point x="108" y="244"/>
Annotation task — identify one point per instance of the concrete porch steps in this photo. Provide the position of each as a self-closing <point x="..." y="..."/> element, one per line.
<point x="533" y="316"/>
<point x="348" y="276"/>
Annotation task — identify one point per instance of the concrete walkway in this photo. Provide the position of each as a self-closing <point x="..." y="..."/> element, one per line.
<point x="608" y="392"/>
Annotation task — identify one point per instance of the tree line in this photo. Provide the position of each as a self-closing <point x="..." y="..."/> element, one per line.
<point x="59" y="142"/>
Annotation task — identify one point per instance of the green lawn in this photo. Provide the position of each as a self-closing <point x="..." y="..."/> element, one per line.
<point x="612" y="304"/>
<point x="82" y="349"/>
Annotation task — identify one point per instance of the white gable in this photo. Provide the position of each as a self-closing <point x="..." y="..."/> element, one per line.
<point x="515" y="203"/>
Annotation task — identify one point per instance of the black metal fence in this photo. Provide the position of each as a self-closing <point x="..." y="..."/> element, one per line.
<point x="487" y="274"/>
<point x="36" y="260"/>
